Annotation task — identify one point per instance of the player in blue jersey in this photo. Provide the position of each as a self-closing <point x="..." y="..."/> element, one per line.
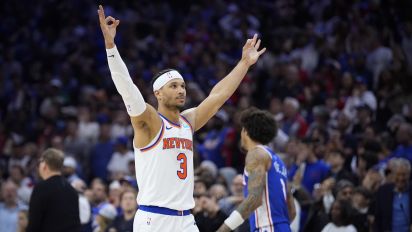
<point x="267" y="202"/>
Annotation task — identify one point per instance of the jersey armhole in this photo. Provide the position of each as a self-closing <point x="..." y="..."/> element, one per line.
<point x="187" y="121"/>
<point x="155" y="141"/>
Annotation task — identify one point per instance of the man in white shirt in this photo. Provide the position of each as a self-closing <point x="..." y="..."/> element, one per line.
<point x="118" y="164"/>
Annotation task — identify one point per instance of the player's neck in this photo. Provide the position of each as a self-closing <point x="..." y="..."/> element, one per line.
<point x="51" y="174"/>
<point x="172" y="115"/>
<point x="250" y="144"/>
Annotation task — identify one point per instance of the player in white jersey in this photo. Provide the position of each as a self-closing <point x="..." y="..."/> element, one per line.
<point x="163" y="139"/>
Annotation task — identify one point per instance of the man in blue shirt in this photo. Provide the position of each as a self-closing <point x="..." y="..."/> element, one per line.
<point x="9" y="209"/>
<point x="307" y="165"/>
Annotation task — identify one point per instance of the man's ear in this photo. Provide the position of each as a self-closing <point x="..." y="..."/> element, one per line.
<point x="157" y="94"/>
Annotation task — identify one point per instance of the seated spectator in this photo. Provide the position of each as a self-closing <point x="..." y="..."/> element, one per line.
<point x="9" y="208"/>
<point x="23" y="220"/>
<point x="115" y="190"/>
<point x="124" y="221"/>
<point x="118" y="164"/>
<point x="293" y="124"/>
<point x="336" y="160"/>
<point x="99" y="198"/>
<point x="69" y="169"/>
<point x="101" y="153"/>
<point x="105" y="217"/>
<point x="361" y="199"/>
<point x="214" y="141"/>
<point x="404" y="140"/>
<point x="23" y="182"/>
<point x="200" y="186"/>
<point x="84" y="204"/>
<point x="211" y="216"/>
<point x="229" y="203"/>
<point x="218" y="191"/>
<point x="319" y="207"/>
<point x="309" y="167"/>
<point x="341" y="217"/>
<point x="344" y="190"/>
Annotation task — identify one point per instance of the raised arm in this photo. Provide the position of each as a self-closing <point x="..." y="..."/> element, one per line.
<point x="146" y="123"/>
<point x="227" y="86"/>
<point x="257" y="164"/>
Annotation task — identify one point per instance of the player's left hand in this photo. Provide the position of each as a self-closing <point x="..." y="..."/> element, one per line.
<point x="250" y="53"/>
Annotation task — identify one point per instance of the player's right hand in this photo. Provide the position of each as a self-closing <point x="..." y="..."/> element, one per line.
<point x="108" y="26"/>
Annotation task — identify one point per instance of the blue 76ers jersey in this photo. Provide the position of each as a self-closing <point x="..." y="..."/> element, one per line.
<point x="274" y="207"/>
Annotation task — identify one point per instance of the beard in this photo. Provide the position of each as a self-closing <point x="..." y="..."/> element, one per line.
<point x="172" y="106"/>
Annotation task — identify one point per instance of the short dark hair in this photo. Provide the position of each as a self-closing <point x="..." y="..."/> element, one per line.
<point x="339" y="153"/>
<point x="159" y="74"/>
<point x="346" y="211"/>
<point x="259" y="124"/>
<point x="53" y="158"/>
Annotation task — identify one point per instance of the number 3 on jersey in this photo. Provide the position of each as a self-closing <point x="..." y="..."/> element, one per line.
<point x="182" y="173"/>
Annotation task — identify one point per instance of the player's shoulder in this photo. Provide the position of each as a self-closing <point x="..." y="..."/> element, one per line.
<point x="258" y="155"/>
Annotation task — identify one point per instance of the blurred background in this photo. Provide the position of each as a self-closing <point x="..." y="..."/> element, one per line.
<point x="337" y="77"/>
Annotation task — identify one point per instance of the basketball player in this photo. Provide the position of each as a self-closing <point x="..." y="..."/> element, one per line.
<point x="163" y="139"/>
<point x="267" y="202"/>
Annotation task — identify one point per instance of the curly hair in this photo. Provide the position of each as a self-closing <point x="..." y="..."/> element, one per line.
<point x="259" y="124"/>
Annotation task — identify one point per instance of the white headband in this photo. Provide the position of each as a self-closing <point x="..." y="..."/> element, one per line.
<point x="164" y="78"/>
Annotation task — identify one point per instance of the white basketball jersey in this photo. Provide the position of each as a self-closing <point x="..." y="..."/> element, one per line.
<point x="164" y="168"/>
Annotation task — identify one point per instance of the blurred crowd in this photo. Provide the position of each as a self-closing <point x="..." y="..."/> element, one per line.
<point x="337" y="77"/>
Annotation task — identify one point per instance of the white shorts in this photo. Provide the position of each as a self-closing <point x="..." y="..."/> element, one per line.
<point x="154" y="222"/>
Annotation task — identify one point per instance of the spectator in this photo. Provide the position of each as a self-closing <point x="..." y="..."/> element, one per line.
<point x="213" y="144"/>
<point x="101" y="153"/>
<point x="77" y="146"/>
<point x="340" y="215"/>
<point x="99" y="198"/>
<point x="105" y="217"/>
<point x="392" y="201"/>
<point x="361" y="96"/>
<point x="84" y="204"/>
<point x="336" y="160"/>
<point x="309" y="167"/>
<point x="118" y="164"/>
<point x="361" y="199"/>
<point x="293" y="124"/>
<point x="69" y="169"/>
<point x="124" y="222"/>
<point x="9" y="209"/>
<point x="23" y="220"/>
<point x="115" y="190"/>
<point x="404" y="139"/>
<point x="229" y="203"/>
<point x="211" y="216"/>
<point x="24" y="183"/>
<point x="218" y="191"/>
<point x="58" y="194"/>
<point x="344" y="190"/>
<point x="200" y="186"/>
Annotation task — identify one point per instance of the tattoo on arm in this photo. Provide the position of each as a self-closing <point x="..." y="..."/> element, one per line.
<point x="256" y="165"/>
